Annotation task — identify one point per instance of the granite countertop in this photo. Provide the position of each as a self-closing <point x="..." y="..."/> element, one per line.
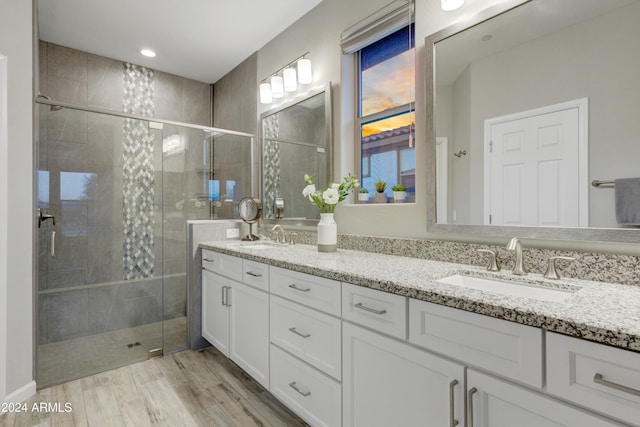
<point x="602" y="312"/>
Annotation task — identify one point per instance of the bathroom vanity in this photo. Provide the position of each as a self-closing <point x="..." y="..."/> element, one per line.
<point x="363" y="339"/>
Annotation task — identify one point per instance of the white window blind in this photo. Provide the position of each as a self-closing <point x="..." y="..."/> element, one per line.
<point x="385" y="21"/>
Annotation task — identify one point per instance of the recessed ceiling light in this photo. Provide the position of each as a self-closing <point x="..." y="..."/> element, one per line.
<point x="148" y="53"/>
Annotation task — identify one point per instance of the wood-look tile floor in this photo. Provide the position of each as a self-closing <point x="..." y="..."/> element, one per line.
<point x="188" y="388"/>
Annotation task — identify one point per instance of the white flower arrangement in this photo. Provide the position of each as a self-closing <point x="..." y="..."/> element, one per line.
<point x="328" y="199"/>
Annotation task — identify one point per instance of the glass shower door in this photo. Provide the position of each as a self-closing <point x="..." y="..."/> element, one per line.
<point x="99" y="290"/>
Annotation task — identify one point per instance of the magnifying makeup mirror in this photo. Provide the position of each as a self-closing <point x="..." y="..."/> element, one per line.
<point x="250" y="209"/>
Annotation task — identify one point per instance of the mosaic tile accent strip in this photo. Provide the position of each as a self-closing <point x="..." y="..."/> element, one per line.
<point x="138" y="175"/>
<point x="271" y="162"/>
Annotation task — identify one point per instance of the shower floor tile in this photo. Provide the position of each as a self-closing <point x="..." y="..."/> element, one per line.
<point x="72" y="359"/>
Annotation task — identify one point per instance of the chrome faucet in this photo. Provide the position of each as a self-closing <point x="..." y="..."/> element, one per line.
<point x="515" y="245"/>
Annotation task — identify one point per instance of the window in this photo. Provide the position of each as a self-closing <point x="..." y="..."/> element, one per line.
<point x="383" y="44"/>
<point x="386" y="118"/>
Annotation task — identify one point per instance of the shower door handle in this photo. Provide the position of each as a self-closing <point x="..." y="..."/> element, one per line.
<point x="53" y="244"/>
<point x="43" y="217"/>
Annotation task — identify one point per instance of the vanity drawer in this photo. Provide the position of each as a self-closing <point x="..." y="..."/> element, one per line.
<point x="316" y="292"/>
<point x="209" y="260"/>
<point x="381" y="311"/>
<point x="312" y="336"/>
<point x="312" y="395"/>
<point x="596" y="376"/>
<point x="255" y="274"/>
<point x="229" y="266"/>
<point x="507" y="349"/>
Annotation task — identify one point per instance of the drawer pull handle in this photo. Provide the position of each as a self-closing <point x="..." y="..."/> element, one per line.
<point x="369" y="309"/>
<point x="296" y="388"/>
<point x="470" y="394"/>
<point x="452" y="421"/>
<point x="300" y="334"/>
<point x="251" y="273"/>
<point x="599" y="379"/>
<point x="207" y="259"/>
<point x="294" y="286"/>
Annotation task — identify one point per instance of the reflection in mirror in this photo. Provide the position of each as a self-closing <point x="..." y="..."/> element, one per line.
<point x="296" y="140"/>
<point x="535" y="104"/>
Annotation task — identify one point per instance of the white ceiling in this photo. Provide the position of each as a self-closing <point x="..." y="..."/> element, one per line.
<point x="199" y="39"/>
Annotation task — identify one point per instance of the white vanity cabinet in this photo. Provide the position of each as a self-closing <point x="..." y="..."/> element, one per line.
<point x="235" y="315"/>
<point x="492" y="402"/>
<point x="507" y="349"/>
<point x="596" y="376"/>
<point x="306" y="348"/>
<point x="340" y="354"/>
<point x="387" y="381"/>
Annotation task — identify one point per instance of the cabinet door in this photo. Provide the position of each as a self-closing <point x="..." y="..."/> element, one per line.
<point x="496" y="403"/>
<point x="249" y="329"/>
<point x="390" y="383"/>
<point x="215" y="314"/>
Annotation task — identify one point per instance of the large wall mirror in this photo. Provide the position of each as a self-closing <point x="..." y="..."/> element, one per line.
<point x="533" y="113"/>
<point x="296" y="140"/>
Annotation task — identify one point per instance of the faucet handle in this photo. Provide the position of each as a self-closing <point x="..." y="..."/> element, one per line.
<point x="552" y="271"/>
<point x="493" y="264"/>
<point x="291" y="239"/>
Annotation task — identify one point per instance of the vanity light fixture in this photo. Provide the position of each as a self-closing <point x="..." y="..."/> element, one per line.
<point x="286" y="79"/>
<point x="449" y="5"/>
<point x="149" y="53"/>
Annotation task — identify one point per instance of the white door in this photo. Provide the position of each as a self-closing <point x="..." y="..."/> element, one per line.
<point x="215" y="313"/>
<point x="496" y="403"/>
<point x="249" y="331"/>
<point x="389" y="383"/>
<point x="536" y="167"/>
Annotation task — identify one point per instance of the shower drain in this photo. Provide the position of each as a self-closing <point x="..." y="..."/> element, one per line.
<point x="135" y="344"/>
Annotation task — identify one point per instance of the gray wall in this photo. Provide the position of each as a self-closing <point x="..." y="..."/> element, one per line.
<point x="235" y="98"/>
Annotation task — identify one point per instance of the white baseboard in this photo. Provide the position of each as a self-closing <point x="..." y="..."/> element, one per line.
<point x="22" y="394"/>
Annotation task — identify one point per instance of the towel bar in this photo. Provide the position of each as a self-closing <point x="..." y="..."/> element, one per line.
<point x="597" y="183"/>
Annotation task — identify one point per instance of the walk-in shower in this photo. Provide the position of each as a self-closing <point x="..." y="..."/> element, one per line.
<point x="111" y="282"/>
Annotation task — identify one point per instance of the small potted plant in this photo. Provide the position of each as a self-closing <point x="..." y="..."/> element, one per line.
<point x="363" y="195"/>
<point x="399" y="193"/>
<point x="381" y="196"/>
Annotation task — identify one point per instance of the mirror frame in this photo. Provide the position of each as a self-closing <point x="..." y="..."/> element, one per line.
<point x="301" y="224"/>
<point x="486" y="232"/>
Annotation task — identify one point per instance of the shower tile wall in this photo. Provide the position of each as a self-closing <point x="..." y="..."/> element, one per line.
<point x="89" y="250"/>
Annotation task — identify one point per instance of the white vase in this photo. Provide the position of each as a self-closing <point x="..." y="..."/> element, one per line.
<point x="327" y="233"/>
<point x="363" y="197"/>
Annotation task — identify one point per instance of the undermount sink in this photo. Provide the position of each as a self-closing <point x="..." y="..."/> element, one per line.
<point x="506" y="287"/>
<point x="259" y="245"/>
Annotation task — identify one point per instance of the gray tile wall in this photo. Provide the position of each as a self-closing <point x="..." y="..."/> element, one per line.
<point x="89" y="231"/>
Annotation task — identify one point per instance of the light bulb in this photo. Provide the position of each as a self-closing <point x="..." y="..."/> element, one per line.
<point x="277" y="87"/>
<point x="305" y="75"/>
